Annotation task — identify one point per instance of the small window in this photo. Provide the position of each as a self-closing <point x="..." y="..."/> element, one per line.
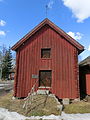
<point x="45" y="53"/>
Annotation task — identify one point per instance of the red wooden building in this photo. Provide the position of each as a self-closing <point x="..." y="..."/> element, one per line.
<point x="49" y="55"/>
<point x="84" y="76"/>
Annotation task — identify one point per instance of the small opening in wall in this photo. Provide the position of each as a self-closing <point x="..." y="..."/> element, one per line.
<point x="45" y="52"/>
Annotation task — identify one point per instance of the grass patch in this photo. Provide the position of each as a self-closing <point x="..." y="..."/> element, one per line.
<point x="37" y="108"/>
<point x="78" y="107"/>
<point x="12" y="105"/>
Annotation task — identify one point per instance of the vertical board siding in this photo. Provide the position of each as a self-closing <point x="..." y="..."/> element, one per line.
<point x="16" y="75"/>
<point x="88" y="84"/>
<point x="63" y="63"/>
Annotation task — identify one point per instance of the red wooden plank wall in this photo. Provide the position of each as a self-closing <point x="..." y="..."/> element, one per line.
<point x="88" y="84"/>
<point x="63" y="63"/>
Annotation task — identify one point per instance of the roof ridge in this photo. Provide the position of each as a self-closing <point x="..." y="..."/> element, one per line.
<point x="53" y="26"/>
<point x="85" y="61"/>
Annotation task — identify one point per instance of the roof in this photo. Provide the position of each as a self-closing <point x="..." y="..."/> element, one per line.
<point x="85" y="61"/>
<point x="53" y="26"/>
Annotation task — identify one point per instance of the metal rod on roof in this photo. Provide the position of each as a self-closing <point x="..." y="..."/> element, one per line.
<point x="46" y="10"/>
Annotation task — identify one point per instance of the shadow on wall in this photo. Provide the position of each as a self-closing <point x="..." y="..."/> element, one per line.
<point x="83" y="71"/>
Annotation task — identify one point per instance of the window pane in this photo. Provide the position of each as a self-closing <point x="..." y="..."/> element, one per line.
<point x="45" y="53"/>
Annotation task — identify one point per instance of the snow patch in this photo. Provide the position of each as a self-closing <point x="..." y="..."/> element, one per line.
<point x="6" y="115"/>
<point x="78" y="116"/>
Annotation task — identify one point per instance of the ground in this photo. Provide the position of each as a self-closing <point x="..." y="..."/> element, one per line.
<point x="5" y="87"/>
<point x="38" y="107"/>
<point x="78" y="107"/>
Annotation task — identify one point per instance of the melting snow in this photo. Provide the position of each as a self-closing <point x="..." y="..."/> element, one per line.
<point x="6" y="115"/>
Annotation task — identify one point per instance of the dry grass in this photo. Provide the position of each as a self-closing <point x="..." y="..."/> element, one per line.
<point x="78" y="107"/>
<point x="38" y="107"/>
<point x="12" y="105"/>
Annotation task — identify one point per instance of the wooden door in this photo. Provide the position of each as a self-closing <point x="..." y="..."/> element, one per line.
<point x="45" y="78"/>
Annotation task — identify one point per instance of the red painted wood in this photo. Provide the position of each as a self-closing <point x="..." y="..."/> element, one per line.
<point x="55" y="28"/>
<point x="88" y="84"/>
<point x="63" y="63"/>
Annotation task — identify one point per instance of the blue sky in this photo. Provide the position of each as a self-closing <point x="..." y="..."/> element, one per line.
<point x="18" y="17"/>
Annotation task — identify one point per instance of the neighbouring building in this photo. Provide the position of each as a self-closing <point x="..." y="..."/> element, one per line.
<point x="48" y="58"/>
<point x="84" y="67"/>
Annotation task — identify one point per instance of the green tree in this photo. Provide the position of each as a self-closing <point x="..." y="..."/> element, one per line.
<point x="7" y="64"/>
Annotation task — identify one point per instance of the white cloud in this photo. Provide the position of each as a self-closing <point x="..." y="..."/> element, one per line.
<point x="50" y="4"/>
<point x="2" y="33"/>
<point x="76" y="36"/>
<point x="89" y="48"/>
<point x="2" y="23"/>
<point x="79" y="8"/>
